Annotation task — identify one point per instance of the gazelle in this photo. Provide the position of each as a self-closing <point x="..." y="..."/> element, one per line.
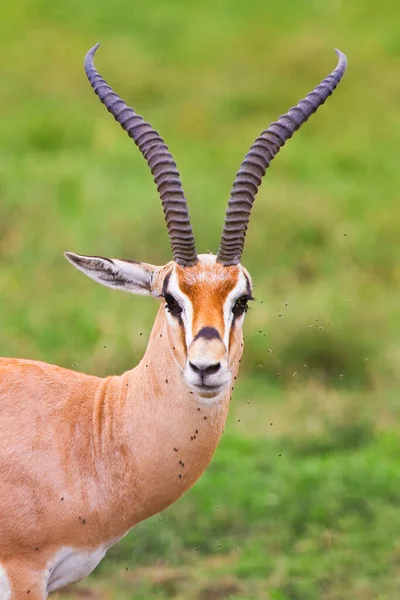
<point x="83" y="459"/>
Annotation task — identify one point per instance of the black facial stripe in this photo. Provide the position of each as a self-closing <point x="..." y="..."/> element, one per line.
<point x="208" y="333"/>
<point x="165" y="283"/>
<point x="248" y="286"/>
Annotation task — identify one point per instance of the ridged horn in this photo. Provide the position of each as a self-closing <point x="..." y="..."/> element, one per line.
<point x="160" y="161"/>
<point x="257" y="160"/>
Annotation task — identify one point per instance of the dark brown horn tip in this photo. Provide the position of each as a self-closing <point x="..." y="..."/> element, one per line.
<point x="342" y="57"/>
<point x="89" y="56"/>
<point x="158" y="158"/>
<point x="342" y="64"/>
<point x="259" y="157"/>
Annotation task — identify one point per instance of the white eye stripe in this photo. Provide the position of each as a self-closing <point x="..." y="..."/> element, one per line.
<point x="187" y="308"/>
<point x="240" y="289"/>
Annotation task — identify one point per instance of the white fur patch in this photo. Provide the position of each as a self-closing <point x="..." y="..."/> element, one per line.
<point x="70" y="565"/>
<point x="185" y="303"/>
<point x="207" y="259"/>
<point x="5" y="587"/>
<point x="239" y="290"/>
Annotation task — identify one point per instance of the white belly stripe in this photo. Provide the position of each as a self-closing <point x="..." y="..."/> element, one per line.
<point x="5" y="588"/>
<point x="70" y="565"/>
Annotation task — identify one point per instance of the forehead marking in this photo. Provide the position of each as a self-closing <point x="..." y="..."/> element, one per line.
<point x="207" y="287"/>
<point x="208" y="333"/>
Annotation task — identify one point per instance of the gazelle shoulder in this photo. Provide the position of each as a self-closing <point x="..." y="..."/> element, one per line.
<point x="22" y="375"/>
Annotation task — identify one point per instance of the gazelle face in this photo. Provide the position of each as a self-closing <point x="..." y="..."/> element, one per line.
<point x="204" y="306"/>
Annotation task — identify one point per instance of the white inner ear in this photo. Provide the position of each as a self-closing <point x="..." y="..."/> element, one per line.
<point x="114" y="273"/>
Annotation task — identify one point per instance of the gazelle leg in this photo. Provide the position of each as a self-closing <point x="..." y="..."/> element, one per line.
<point x="18" y="582"/>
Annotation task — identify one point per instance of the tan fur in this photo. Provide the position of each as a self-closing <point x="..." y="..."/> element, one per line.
<point x="83" y="459"/>
<point x="207" y="287"/>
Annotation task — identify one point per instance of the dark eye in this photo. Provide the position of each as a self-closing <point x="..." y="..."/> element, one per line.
<point x="172" y="306"/>
<point x="240" y="306"/>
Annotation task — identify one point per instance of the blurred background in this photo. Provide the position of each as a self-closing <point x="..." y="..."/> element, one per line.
<point x="302" y="499"/>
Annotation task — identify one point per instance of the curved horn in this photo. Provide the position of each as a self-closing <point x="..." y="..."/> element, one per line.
<point x="257" y="160"/>
<point x="160" y="161"/>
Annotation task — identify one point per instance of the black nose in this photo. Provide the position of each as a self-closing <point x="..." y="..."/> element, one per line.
<point x="210" y="370"/>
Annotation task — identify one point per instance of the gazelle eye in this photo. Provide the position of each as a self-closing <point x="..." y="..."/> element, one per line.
<point x="172" y="305"/>
<point x="241" y="306"/>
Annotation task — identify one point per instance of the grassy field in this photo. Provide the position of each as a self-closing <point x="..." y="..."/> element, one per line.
<point x="302" y="501"/>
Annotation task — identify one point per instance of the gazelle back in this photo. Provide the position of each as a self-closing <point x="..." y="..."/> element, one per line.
<point x="83" y="459"/>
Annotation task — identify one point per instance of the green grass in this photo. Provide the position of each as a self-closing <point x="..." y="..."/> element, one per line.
<point x="322" y="356"/>
<point x="314" y="519"/>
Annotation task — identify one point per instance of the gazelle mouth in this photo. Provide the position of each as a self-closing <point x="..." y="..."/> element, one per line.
<point x="208" y="391"/>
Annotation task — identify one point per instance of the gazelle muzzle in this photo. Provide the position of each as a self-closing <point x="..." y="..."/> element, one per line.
<point x="206" y="369"/>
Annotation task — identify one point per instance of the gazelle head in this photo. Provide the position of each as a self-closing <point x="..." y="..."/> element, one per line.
<point x="205" y="296"/>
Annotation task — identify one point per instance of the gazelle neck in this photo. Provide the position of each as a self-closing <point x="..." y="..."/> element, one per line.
<point x="170" y="434"/>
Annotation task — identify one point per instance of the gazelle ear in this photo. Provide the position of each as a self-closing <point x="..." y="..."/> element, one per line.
<point x="134" y="277"/>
